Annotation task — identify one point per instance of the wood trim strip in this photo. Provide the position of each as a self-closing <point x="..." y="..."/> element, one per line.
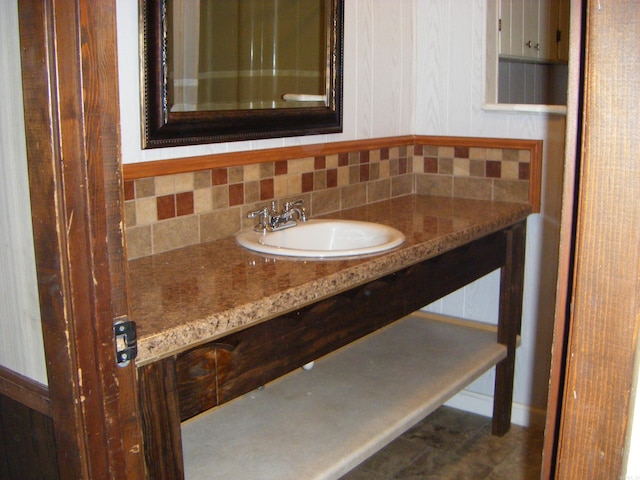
<point x="24" y="390"/>
<point x="134" y="171"/>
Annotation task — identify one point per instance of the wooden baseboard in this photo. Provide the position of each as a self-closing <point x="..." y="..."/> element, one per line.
<point x="25" y="390"/>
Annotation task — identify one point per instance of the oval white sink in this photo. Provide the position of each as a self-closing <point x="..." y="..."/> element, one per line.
<point x="323" y="239"/>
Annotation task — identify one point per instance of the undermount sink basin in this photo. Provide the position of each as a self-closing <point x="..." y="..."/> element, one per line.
<point x="324" y="239"/>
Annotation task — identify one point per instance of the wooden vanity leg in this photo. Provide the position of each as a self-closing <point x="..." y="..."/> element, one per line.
<point x="509" y="321"/>
<point x="158" y="397"/>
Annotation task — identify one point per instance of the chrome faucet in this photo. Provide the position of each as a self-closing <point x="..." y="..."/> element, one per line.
<point x="270" y="220"/>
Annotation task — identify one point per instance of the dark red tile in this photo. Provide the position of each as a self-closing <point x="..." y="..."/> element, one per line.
<point x="430" y="165"/>
<point x="461" y="152"/>
<point x="319" y="163"/>
<point x="494" y="169"/>
<point x="281" y="167"/>
<point x="524" y="171"/>
<point x="184" y="203"/>
<point x="417" y="150"/>
<point x="332" y="178"/>
<point x="166" y="206"/>
<point x="266" y="189"/>
<point x="307" y="182"/>
<point x="236" y="194"/>
<point x="364" y="156"/>
<point x="129" y="190"/>
<point x="364" y="173"/>
<point x="219" y="176"/>
<point x="384" y="154"/>
<point x="343" y="159"/>
<point x="402" y="166"/>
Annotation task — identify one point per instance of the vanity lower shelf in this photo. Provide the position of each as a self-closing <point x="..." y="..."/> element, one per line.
<point x="319" y="424"/>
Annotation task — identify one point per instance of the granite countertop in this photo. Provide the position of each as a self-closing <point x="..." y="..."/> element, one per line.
<point x="196" y="294"/>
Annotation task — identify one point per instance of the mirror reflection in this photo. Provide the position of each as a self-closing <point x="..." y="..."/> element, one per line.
<point x="227" y="55"/>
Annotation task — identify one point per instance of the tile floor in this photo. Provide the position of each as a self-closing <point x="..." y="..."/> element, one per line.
<point x="452" y="444"/>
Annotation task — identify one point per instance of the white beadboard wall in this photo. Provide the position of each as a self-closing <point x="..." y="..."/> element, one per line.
<point x="417" y="67"/>
<point x="450" y="72"/>
<point x="21" y="345"/>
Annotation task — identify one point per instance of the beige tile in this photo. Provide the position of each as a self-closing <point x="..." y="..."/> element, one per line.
<point x="202" y="179"/>
<point x="325" y="201"/>
<point x="220" y="224"/>
<point x="461" y="167"/>
<point x="431" y="151"/>
<point x="301" y="165"/>
<point x="138" y="241"/>
<point x="445" y="152"/>
<point x="466" y="187"/>
<point x="236" y="175"/>
<point x="331" y="161"/>
<point x="251" y="172"/>
<point x="219" y="197"/>
<point x="184" y="182"/>
<point x="145" y="187"/>
<point x="493" y="154"/>
<point x="477" y="153"/>
<point x="280" y="185"/>
<point x="379" y="190"/>
<point x="354" y="195"/>
<point x="511" y="191"/>
<point x="524" y="156"/>
<point x="440" y="185"/>
<point x="385" y="169"/>
<point x="267" y="169"/>
<point x="146" y="211"/>
<point x="130" y="213"/>
<point x="294" y="184"/>
<point x="510" y="170"/>
<point x="343" y="176"/>
<point x="374" y="155"/>
<point x="251" y="191"/>
<point x="202" y="200"/>
<point x="418" y="164"/>
<point x="165" y="185"/>
<point x="175" y="233"/>
<point x="401" y="185"/>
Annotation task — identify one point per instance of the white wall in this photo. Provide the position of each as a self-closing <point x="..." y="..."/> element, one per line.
<point x="21" y="346"/>
<point x="450" y="72"/>
<point x="417" y="66"/>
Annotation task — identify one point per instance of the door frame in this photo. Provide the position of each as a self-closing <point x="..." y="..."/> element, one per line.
<point x="598" y="315"/>
<point x="69" y="71"/>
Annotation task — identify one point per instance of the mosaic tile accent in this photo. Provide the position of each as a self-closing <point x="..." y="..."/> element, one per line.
<point x="172" y="211"/>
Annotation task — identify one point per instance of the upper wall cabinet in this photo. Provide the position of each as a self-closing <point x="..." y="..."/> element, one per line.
<point x="534" y="30"/>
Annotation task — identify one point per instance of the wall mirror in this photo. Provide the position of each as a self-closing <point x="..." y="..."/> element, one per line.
<point x="226" y="70"/>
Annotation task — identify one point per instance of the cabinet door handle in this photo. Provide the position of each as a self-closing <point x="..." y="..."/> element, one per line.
<point x="528" y="44"/>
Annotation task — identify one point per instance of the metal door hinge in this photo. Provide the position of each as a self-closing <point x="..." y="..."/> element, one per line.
<point x="558" y="36"/>
<point x="126" y="339"/>
<point x="499" y="24"/>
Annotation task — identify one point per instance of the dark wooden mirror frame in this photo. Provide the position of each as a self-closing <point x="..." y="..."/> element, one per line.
<point x="163" y="128"/>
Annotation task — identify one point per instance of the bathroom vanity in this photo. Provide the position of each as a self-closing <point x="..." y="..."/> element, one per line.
<point x="223" y="332"/>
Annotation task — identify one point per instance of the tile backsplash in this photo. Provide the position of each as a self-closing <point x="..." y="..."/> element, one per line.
<point x="167" y="212"/>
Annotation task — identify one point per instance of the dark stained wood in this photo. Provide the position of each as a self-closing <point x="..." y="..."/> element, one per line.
<point x="509" y="321"/>
<point x="161" y="420"/>
<point x="27" y="444"/>
<point x="604" y="320"/>
<point x="71" y="108"/>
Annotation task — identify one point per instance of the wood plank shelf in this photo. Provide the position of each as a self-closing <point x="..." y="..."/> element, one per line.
<point x="319" y="424"/>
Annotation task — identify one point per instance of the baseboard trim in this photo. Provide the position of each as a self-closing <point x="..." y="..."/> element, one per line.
<point x="523" y="415"/>
<point x="24" y="390"/>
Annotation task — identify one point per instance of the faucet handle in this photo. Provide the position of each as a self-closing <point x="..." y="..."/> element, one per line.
<point x="264" y="217"/>
<point x="289" y="205"/>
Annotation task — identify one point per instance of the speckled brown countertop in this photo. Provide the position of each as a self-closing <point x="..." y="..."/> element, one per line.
<point x="186" y="297"/>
